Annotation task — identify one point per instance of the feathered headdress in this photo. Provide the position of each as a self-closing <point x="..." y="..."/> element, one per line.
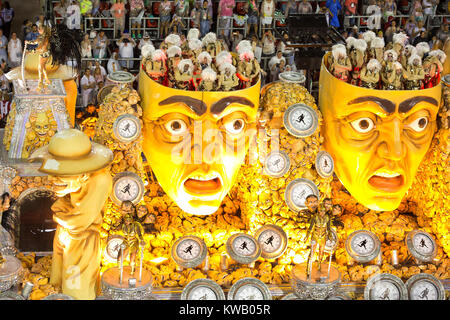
<point x="195" y="44"/>
<point x="338" y="50"/>
<point x="173" y="51"/>
<point x="224" y="66"/>
<point x="414" y="57"/>
<point x="193" y="33"/>
<point x="209" y="75"/>
<point x="394" y="55"/>
<point x="400" y="38"/>
<point x="439" y="54"/>
<point x="374" y="65"/>
<point x="185" y="62"/>
<point x="377" y="43"/>
<point x="173" y="40"/>
<point x="368" y="36"/>
<point x="244" y="45"/>
<point x="147" y="50"/>
<point x="158" y="55"/>
<point x="209" y="38"/>
<point x="204" y="55"/>
<point x="422" y="48"/>
<point x="411" y="49"/>
<point x="64" y="45"/>
<point x="360" y="45"/>
<point x="246" y="54"/>
<point x="224" y="57"/>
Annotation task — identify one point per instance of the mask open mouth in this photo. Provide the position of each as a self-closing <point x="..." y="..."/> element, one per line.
<point x="203" y="184"/>
<point x="389" y="182"/>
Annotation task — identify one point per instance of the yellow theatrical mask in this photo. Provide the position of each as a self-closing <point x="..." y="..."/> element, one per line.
<point x="195" y="142"/>
<point x="377" y="137"/>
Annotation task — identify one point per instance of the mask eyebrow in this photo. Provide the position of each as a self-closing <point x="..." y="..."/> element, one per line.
<point x="198" y="106"/>
<point x="219" y="106"/>
<point x="408" y="104"/>
<point x="385" y="104"/>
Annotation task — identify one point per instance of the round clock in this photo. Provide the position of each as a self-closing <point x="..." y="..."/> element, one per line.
<point x="300" y="120"/>
<point x="202" y="289"/>
<point x="276" y="164"/>
<point x="292" y="77"/>
<point x="385" y="286"/>
<point x="113" y="247"/>
<point x="249" y="289"/>
<point x="120" y="77"/>
<point x="421" y="245"/>
<point x="424" y="286"/>
<point x="243" y="248"/>
<point x="189" y="251"/>
<point x="297" y="191"/>
<point x="363" y="246"/>
<point x="127" y="186"/>
<point x="324" y="164"/>
<point x="273" y="241"/>
<point x="127" y="128"/>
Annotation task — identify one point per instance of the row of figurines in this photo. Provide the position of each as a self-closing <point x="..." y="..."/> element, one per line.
<point x="368" y="63"/>
<point x="201" y="65"/>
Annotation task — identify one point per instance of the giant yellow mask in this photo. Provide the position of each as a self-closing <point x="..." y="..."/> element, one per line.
<point x="377" y="137"/>
<point x="195" y="142"/>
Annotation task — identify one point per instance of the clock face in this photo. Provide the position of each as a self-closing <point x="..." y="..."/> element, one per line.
<point x="244" y="246"/>
<point x="363" y="244"/>
<point x="423" y="244"/>
<point x="249" y="292"/>
<point x="423" y="290"/>
<point x="277" y="164"/>
<point x="113" y="247"/>
<point x="188" y="249"/>
<point x="297" y="191"/>
<point x="202" y="293"/>
<point x="300" y="120"/>
<point x="324" y="164"/>
<point x="127" y="128"/>
<point x="270" y="241"/>
<point x="126" y="189"/>
<point x="385" y="290"/>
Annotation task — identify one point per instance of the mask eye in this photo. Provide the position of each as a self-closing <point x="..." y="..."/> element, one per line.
<point x="235" y="126"/>
<point x="176" y="127"/>
<point x="363" y="125"/>
<point x="419" y="124"/>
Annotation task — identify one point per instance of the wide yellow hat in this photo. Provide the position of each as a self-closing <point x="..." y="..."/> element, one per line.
<point x="71" y="153"/>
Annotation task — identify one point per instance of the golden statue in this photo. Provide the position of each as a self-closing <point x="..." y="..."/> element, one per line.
<point x="77" y="169"/>
<point x="42" y="129"/>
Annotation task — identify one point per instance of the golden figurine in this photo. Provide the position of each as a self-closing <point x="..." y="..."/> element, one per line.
<point x="377" y="49"/>
<point x="340" y="64"/>
<point x="248" y="68"/>
<point x="320" y="231"/>
<point x="227" y="79"/>
<point x="133" y="234"/>
<point x="370" y="74"/>
<point x="414" y="73"/>
<point x="208" y="81"/>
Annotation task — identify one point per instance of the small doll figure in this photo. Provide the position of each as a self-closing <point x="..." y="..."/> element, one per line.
<point x="146" y="52"/>
<point x="399" y="41"/>
<point x="184" y="75"/>
<point x="173" y="58"/>
<point x="227" y="79"/>
<point x="434" y="65"/>
<point x="157" y="68"/>
<point x="390" y="56"/>
<point x="392" y="77"/>
<point x="357" y="57"/>
<point x="211" y="44"/>
<point x="204" y="60"/>
<point x="407" y="52"/>
<point x="377" y="49"/>
<point x="248" y="68"/>
<point x="195" y="48"/>
<point x="414" y="73"/>
<point x="340" y="64"/>
<point x="208" y="80"/>
<point x="370" y="74"/>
